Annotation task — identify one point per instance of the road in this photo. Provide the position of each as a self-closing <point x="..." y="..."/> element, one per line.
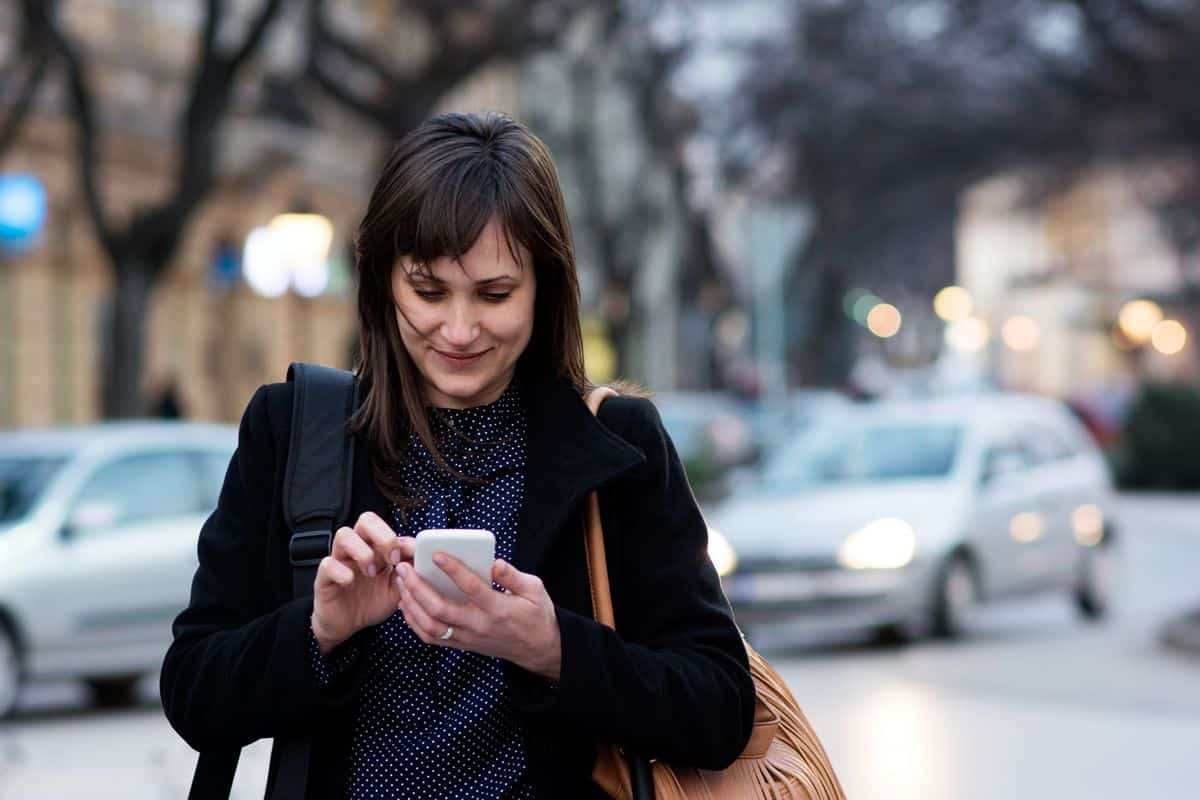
<point x="1035" y="705"/>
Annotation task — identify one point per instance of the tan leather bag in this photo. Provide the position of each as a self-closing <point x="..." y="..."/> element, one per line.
<point x="784" y="759"/>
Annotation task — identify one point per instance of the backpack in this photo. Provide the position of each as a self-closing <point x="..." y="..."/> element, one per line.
<point x="313" y="507"/>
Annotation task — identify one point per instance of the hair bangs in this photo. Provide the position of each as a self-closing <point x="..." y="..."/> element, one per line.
<point x="452" y="213"/>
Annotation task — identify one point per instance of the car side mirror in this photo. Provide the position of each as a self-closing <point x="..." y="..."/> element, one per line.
<point x="89" y="517"/>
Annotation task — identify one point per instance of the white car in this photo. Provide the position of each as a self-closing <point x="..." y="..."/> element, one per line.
<point x="98" y="533"/>
<point x="900" y="517"/>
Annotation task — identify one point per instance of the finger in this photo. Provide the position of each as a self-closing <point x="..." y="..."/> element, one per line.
<point x="427" y="628"/>
<point x="349" y="547"/>
<point x="522" y="584"/>
<point x="332" y="572"/>
<point x="478" y="591"/>
<point x="429" y="598"/>
<point x="389" y="547"/>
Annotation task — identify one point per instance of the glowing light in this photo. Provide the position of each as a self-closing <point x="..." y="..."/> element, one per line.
<point x="968" y="336"/>
<point x="863" y="306"/>
<point x="884" y="320"/>
<point x="953" y="304"/>
<point x="1088" y="523"/>
<point x="887" y="543"/>
<point x="1138" y="319"/>
<point x="263" y="265"/>
<point x="1169" y="337"/>
<point x="1021" y="333"/>
<point x="1027" y="526"/>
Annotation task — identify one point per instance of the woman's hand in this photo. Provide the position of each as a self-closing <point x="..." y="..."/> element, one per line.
<point x="519" y="624"/>
<point x="356" y="584"/>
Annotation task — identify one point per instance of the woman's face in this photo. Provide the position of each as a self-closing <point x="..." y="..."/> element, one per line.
<point x="466" y="323"/>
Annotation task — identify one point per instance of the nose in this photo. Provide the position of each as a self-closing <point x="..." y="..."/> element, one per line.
<point x="460" y="328"/>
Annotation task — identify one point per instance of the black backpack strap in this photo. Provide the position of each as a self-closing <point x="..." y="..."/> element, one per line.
<point x="316" y="498"/>
<point x="320" y="466"/>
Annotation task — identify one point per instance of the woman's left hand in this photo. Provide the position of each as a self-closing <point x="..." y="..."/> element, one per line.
<point x="519" y="624"/>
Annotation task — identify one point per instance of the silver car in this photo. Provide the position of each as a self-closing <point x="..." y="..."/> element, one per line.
<point x="901" y="517"/>
<point x="98" y="532"/>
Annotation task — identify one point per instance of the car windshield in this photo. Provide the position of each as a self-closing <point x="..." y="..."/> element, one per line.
<point x="22" y="481"/>
<point x="843" y="453"/>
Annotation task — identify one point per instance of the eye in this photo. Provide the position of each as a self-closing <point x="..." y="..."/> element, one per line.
<point x="496" y="297"/>
<point x="428" y="294"/>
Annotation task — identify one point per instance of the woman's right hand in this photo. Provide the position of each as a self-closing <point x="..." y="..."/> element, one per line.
<point x="356" y="583"/>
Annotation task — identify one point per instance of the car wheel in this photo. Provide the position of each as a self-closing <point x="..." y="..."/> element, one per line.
<point x="1097" y="581"/>
<point x="956" y="598"/>
<point x="113" y="692"/>
<point x="10" y="672"/>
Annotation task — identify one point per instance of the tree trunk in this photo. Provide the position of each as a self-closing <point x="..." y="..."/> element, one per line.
<point x="124" y="332"/>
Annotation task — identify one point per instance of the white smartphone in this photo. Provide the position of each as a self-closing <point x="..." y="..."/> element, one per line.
<point x="475" y="548"/>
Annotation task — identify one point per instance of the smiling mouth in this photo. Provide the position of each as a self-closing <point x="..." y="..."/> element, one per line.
<point x="462" y="357"/>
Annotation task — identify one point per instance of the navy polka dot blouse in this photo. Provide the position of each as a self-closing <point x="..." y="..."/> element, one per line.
<point x="436" y="722"/>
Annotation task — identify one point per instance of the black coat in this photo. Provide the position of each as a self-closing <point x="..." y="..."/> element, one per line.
<point x="674" y="684"/>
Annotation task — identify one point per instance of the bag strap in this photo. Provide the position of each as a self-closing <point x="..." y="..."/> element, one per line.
<point x="320" y="466"/>
<point x="593" y="543"/>
<point x="641" y="776"/>
<point x="316" y="497"/>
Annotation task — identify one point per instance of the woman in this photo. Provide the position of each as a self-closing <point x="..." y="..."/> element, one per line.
<point x="471" y="416"/>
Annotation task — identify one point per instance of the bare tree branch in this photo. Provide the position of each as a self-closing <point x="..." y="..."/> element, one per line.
<point x="32" y="48"/>
<point x="44" y="16"/>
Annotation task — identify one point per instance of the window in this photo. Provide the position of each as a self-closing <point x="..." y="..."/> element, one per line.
<point x="22" y="481"/>
<point x="146" y="487"/>
<point x="1045" y="444"/>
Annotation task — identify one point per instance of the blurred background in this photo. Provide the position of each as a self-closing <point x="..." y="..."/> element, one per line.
<point x="916" y="283"/>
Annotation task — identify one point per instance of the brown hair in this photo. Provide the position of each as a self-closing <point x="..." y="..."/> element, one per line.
<point x="441" y="185"/>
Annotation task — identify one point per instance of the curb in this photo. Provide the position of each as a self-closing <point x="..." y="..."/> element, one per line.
<point x="1182" y="633"/>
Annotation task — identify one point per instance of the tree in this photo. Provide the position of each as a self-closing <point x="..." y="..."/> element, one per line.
<point x="28" y="66"/>
<point x="463" y="37"/>
<point x="141" y="250"/>
<point x="885" y="111"/>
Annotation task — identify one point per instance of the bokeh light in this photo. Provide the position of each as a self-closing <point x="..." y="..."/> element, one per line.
<point x="968" y="336"/>
<point x="1169" y="337"/>
<point x="884" y="320"/>
<point x="1138" y="319"/>
<point x="863" y="306"/>
<point x="953" y="304"/>
<point x="1021" y="333"/>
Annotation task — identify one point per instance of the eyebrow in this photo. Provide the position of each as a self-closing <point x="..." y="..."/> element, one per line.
<point x="414" y="278"/>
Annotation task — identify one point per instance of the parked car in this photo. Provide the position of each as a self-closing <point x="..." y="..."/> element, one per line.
<point x="713" y="434"/>
<point x="98" y="533"/>
<point x="904" y="516"/>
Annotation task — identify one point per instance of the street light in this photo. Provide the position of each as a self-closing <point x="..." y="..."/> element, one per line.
<point x="953" y="304"/>
<point x="1169" y="337"/>
<point x="1021" y="333"/>
<point x="1138" y="319"/>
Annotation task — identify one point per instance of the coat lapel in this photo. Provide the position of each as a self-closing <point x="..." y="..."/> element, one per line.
<point x="570" y="455"/>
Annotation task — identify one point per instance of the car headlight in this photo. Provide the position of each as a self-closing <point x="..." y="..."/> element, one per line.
<point x="887" y="543"/>
<point x="721" y="553"/>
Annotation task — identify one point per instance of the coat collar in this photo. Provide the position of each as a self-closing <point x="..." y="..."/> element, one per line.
<point x="570" y="454"/>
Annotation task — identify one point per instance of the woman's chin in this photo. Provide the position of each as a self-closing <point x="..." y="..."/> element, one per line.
<point x="462" y="391"/>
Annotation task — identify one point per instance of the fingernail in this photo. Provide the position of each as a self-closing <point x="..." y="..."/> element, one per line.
<point x="400" y="583"/>
<point x="371" y="570"/>
<point x="439" y="559"/>
<point x="395" y="557"/>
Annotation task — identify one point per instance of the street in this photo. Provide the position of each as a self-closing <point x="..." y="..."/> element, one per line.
<point x="1035" y="705"/>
